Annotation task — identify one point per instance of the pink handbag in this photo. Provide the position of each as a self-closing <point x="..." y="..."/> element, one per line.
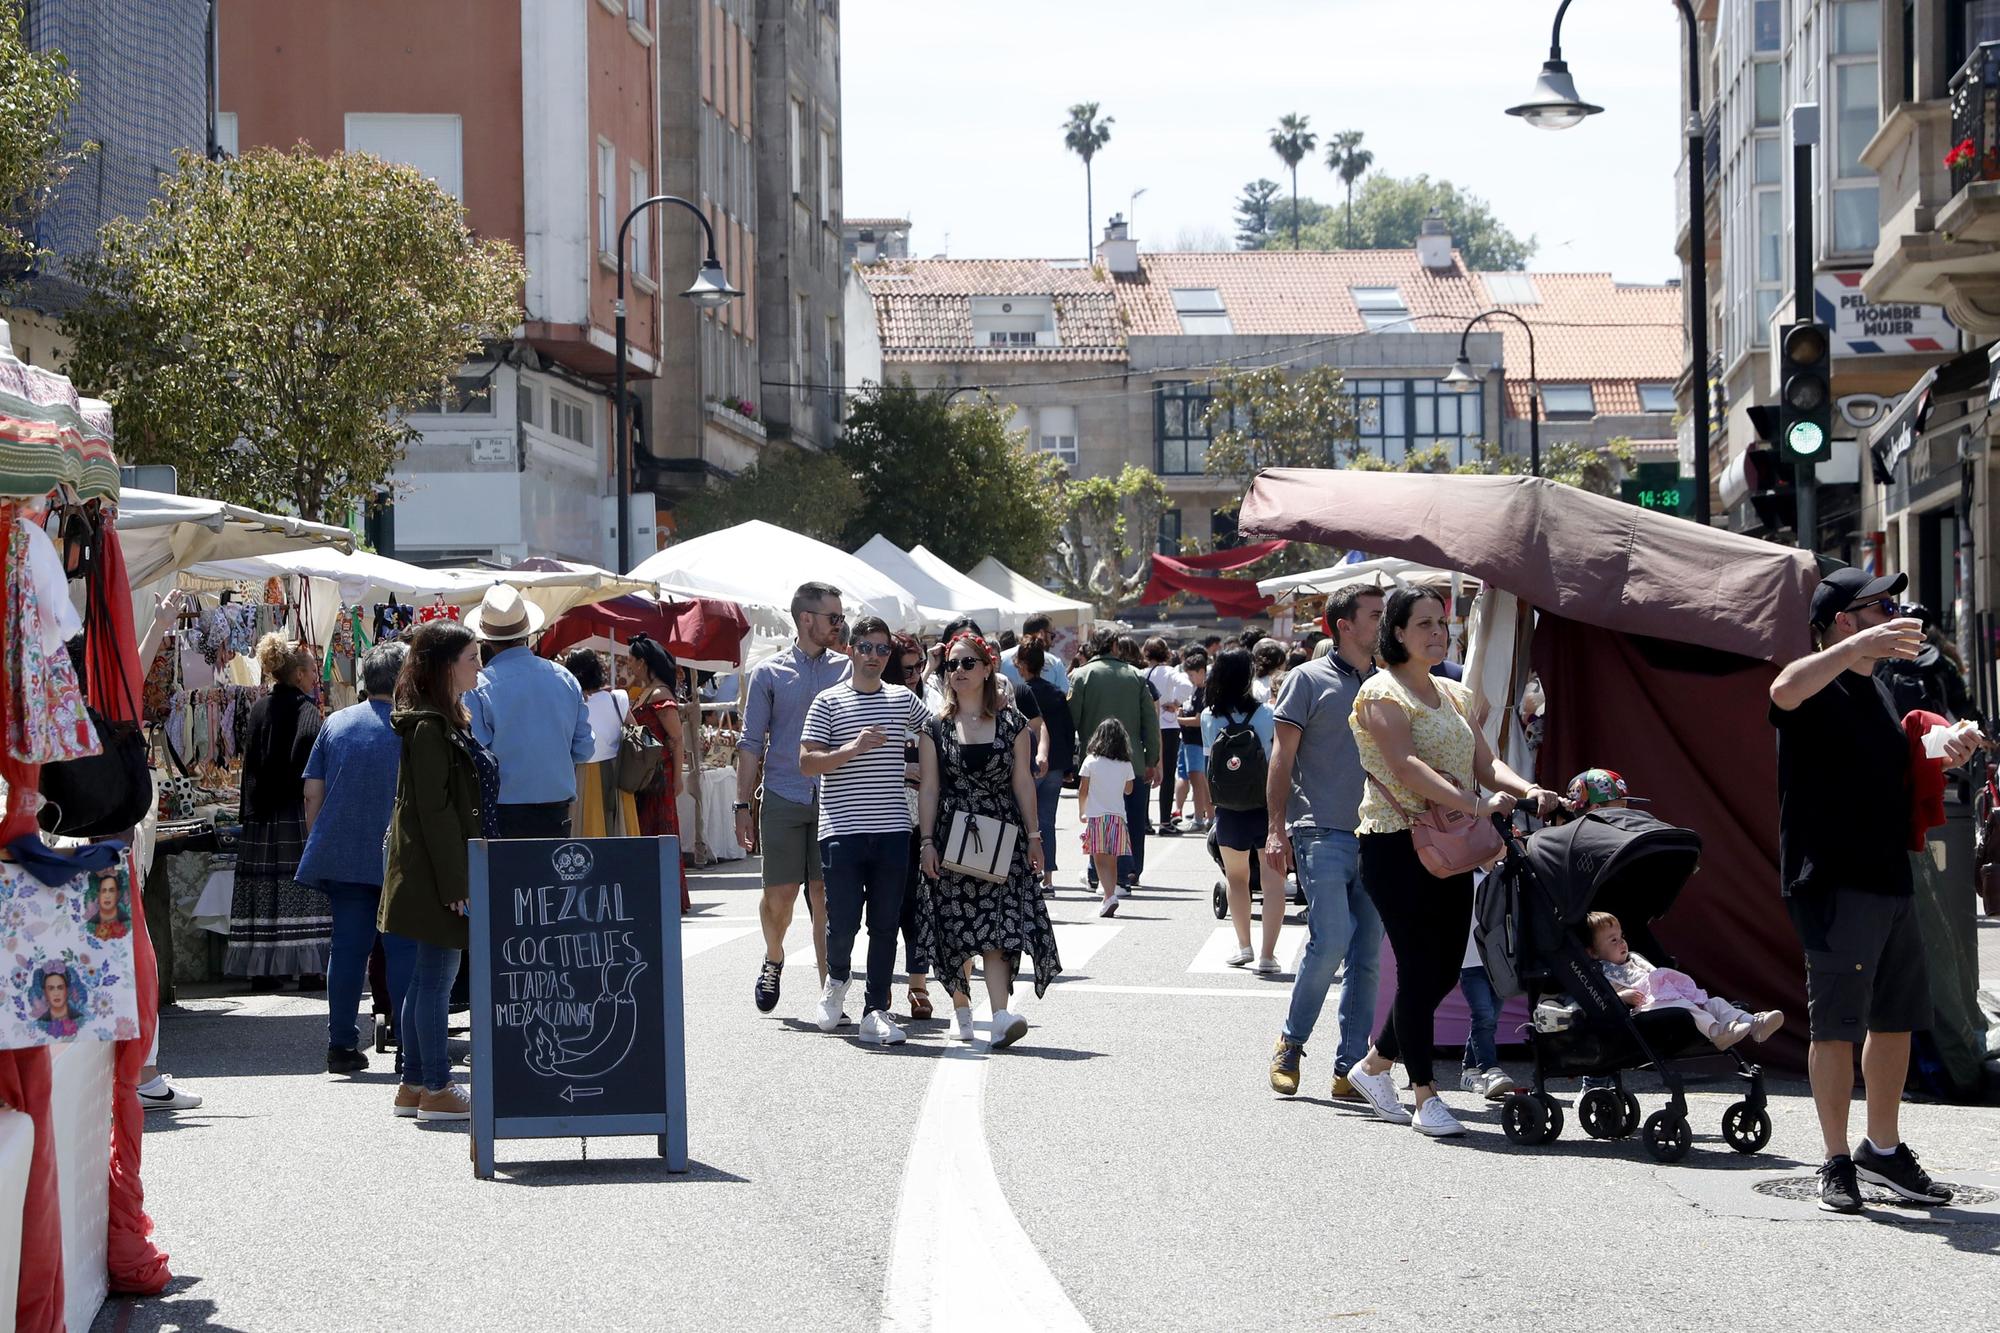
<point x="1449" y="842"/>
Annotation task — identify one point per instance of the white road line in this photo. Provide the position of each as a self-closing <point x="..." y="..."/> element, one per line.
<point x="1278" y="990"/>
<point x="1222" y="942"/>
<point x="694" y="942"/>
<point x="1076" y="945"/>
<point x="959" y="1259"/>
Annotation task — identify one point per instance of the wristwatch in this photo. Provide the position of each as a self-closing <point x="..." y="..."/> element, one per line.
<point x="742" y="806"/>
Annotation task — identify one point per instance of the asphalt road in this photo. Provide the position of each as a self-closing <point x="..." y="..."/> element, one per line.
<point x="1124" y="1168"/>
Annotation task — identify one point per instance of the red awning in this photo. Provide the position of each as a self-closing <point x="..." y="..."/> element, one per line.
<point x="706" y="629"/>
<point x="1232" y="597"/>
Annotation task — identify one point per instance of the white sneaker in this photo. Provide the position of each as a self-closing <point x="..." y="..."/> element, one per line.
<point x="1008" y="1028"/>
<point x="1109" y="907"/>
<point x="1433" y="1118"/>
<point x="876" y="1028"/>
<point x="1124" y="891"/>
<point x="827" y="1015"/>
<point x="1266" y="967"/>
<point x="163" y="1094"/>
<point x="1379" y="1091"/>
<point x="1472" y="1080"/>
<point x="1239" y="958"/>
<point x="963" y="1018"/>
<point x="1498" y="1083"/>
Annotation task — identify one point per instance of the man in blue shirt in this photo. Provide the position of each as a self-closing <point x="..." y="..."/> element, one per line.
<point x="350" y="793"/>
<point x="774" y="719"/>
<point x="1037" y="628"/>
<point x="531" y="714"/>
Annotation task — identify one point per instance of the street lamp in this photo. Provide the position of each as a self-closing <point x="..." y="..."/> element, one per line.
<point x="1463" y="379"/>
<point x="1554" y="105"/>
<point x="709" y="289"/>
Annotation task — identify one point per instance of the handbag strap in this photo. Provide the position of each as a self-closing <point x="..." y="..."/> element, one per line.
<point x="1394" y="804"/>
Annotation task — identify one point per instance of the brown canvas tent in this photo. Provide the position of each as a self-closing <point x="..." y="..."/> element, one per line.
<point x="1656" y="645"/>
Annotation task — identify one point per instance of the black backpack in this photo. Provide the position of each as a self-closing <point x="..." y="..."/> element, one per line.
<point x="1237" y="766"/>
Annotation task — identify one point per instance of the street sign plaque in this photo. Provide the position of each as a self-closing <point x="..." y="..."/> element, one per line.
<point x="576" y="992"/>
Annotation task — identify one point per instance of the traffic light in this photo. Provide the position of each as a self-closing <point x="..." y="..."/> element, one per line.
<point x="1805" y="394"/>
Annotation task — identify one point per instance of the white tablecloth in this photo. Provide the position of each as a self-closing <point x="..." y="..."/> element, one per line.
<point x="718" y="814"/>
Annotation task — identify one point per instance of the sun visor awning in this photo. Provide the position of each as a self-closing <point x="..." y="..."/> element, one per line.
<point x="1897" y="432"/>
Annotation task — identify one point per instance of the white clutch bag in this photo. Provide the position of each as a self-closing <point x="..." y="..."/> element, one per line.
<point x="980" y="846"/>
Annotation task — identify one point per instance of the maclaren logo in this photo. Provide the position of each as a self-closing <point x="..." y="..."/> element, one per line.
<point x="572" y="861"/>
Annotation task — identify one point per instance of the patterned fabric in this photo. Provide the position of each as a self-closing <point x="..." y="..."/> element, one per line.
<point x="1106" y="835"/>
<point x="277" y="926"/>
<point x="1594" y="786"/>
<point x="489" y="787"/>
<point x="71" y="947"/>
<point x="46" y="721"/>
<point x="964" y="916"/>
<point x="1441" y="737"/>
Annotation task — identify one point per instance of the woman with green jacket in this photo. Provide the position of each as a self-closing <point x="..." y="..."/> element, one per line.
<point x="447" y="791"/>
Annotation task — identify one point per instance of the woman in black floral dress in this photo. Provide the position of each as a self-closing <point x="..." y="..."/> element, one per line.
<point x="978" y="756"/>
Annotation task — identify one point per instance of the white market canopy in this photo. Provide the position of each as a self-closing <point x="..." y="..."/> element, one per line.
<point x="1384" y="572"/>
<point x="759" y="565"/>
<point x="160" y="534"/>
<point x="943" y="594"/>
<point x="1029" y="597"/>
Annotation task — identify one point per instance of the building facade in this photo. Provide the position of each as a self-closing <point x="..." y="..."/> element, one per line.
<point x="543" y="121"/>
<point x="142" y="72"/>
<point x="1112" y="363"/>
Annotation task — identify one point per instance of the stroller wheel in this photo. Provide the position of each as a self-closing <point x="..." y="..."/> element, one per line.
<point x="1602" y="1114"/>
<point x="1746" y="1128"/>
<point x="1631" y="1126"/>
<point x="1667" y="1136"/>
<point x="1523" y="1119"/>
<point x="1552" y="1117"/>
<point x="1221" y="901"/>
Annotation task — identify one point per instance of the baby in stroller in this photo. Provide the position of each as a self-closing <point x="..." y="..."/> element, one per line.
<point x="1646" y="987"/>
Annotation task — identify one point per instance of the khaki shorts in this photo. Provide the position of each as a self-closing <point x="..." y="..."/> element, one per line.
<point x="789" y="836"/>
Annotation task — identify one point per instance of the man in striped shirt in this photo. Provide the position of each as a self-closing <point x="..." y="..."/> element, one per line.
<point x="853" y="743"/>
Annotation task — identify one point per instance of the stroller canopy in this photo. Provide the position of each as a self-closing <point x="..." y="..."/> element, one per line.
<point x="1624" y="862"/>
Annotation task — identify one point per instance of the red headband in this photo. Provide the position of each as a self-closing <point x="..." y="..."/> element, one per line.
<point x="967" y="636"/>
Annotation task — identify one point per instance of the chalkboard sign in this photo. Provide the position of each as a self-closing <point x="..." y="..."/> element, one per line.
<point x="576" y="992"/>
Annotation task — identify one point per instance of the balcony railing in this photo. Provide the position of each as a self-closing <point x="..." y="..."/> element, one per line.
<point x="1711" y="147"/>
<point x="1975" y="109"/>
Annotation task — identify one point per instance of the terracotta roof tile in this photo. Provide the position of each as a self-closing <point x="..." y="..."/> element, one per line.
<point x="1295" y="291"/>
<point x="889" y="224"/>
<point x="1592" y="330"/>
<point x="923" y="308"/>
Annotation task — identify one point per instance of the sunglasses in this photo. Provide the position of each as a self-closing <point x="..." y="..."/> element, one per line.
<point x="831" y="617"/>
<point x="963" y="664"/>
<point x="866" y="649"/>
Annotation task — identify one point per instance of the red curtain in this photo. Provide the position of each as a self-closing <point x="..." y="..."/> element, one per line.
<point x="1232" y="597"/>
<point x="111" y="652"/>
<point x="1234" y="557"/>
<point x="38" y="1303"/>
<point x="1688" y="729"/>
<point x="137" y="1266"/>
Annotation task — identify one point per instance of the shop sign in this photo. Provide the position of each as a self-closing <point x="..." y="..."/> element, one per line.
<point x="1862" y="328"/>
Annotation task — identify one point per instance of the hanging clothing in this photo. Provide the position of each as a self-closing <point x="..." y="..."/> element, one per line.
<point x="45" y="718"/>
<point x="114" y="671"/>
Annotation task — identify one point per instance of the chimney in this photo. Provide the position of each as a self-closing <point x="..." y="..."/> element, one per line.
<point x="1434" y="243"/>
<point x="1118" y="252"/>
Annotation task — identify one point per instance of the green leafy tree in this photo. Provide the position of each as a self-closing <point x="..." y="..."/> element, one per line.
<point x="1277" y="416"/>
<point x="804" y="490"/>
<point x="1594" y="468"/>
<point x="268" y="321"/>
<point x="1347" y="159"/>
<point x="1083" y="134"/>
<point x="1098" y="559"/>
<point x="1389" y="212"/>
<point x="949" y="475"/>
<point x="1293" y="143"/>
<point x="1319" y="223"/>
<point x="1253" y="214"/>
<point x="37" y="91"/>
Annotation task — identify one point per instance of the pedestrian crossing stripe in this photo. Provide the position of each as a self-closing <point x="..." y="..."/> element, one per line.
<point x="1222" y="942"/>
<point x="695" y="942"/>
<point x="1076" y="945"/>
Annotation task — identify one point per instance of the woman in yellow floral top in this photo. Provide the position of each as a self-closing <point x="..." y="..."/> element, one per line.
<point x="1420" y="746"/>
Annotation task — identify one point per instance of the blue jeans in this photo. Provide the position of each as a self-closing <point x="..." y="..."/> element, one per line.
<point x="354" y="907"/>
<point x="1485" y="1007"/>
<point x="1341" y="923"/>
<point x="426" y="1014"/>
<point x="1048" y="791"/>
<point x="865" y="869"/>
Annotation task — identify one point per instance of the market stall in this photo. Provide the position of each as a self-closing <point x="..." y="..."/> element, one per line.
<point x="703" y="634"/>
<point x="1031" y="598"/>
<point x="81" y="1020"/>
<point x="943" y="594"/>
<point x="1655" y="641"/>
<point x="758" y="566"/>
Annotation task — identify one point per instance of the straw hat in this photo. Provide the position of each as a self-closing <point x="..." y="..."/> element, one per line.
<point x="503" y="615"/>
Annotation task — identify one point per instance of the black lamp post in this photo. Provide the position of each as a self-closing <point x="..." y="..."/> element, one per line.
<point x="710" y="288"/>
<point x="1554" y="105"/>
<point x="1463" y="379"/>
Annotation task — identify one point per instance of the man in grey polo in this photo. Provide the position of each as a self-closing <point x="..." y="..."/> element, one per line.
<point x="774" y="718"/>
<point x="1316" y="778"/>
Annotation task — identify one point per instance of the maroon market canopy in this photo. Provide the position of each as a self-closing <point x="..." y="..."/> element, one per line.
<point x="1585" y="557"/>
<point x="706" y="629"/>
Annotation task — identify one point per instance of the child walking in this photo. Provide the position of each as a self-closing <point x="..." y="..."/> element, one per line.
<point x="1103" y="783"/>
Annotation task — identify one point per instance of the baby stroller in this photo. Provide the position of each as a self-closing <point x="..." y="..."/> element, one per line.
<point x="1295" y="890"/>
<point x="1530" y="936"/>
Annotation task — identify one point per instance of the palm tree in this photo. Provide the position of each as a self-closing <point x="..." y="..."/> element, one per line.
<point x="1292" y="141"/>
<point x="1084" y="134"/>
<point x="1346" y="158"/>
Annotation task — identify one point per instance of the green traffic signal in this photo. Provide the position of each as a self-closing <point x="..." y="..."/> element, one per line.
<point x="1805" y="397"/>
<point x="1805" y="439"/>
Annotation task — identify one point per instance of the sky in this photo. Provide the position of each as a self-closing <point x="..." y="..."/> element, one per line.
<point x="952" y="113"/>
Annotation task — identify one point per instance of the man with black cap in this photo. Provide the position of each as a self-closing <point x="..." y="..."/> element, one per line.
<point x="1844" y="833"/>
